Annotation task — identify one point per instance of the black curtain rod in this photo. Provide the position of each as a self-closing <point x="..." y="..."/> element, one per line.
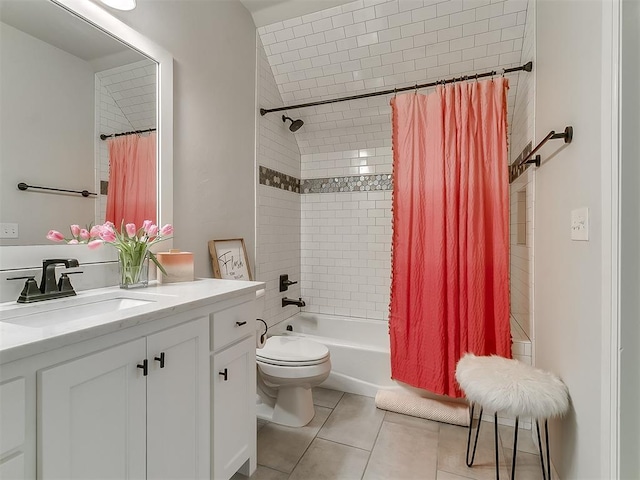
<point x="527" y="67"/>
<point x="104" y="137"/>
<point x="85" y="193"/>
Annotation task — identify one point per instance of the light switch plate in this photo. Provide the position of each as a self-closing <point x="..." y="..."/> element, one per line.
<point x="580" y="224"/>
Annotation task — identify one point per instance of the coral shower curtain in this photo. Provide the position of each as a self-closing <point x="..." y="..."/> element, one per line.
<point x="449" y="289"/>
<point x="131" y="195"/>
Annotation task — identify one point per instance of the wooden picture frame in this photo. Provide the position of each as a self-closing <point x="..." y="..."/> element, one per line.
<point x="229" y="259"/>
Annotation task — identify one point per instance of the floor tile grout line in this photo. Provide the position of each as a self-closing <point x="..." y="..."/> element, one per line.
<point x="313" y="439"/>
<point x="374" y="445"/>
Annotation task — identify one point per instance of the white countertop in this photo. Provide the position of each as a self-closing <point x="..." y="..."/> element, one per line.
<point x="28" y="329"/>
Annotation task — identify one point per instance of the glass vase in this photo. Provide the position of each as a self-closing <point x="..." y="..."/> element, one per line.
<point x="133" y="275"/>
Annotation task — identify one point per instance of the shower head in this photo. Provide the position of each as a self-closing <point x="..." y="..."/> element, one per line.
<point x="295" y="124"/>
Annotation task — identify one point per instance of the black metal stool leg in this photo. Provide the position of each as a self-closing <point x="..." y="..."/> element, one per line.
<point x="546" y="434"/>
<point x="475" y="443"/>
<point x="495" y="429"/>
<point x="515" y="451"/>
<point x="544" y="473"/>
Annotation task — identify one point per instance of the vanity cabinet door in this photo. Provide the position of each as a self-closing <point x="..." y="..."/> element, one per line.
<point x="234" y="420"/>
<point x="92" y="416"/>
<point x="178" y="402"/>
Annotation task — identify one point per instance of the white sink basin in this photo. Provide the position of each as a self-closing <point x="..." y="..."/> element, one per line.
<point x="71" y="309"/>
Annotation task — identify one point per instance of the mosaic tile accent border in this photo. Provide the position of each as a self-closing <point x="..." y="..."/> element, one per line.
<point x="353" y="183"/>
<point x="514" y="170"/>
<point x="350" y="183"/>
<point x="104" y="187"/>
<point x="273" y="178"/>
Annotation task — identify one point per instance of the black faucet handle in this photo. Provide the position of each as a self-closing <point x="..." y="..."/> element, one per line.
<point x="64" y="285"/>
<point x="30" y="289"/>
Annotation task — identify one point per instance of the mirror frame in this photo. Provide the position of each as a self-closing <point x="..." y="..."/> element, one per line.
<point x="31" y="256"/>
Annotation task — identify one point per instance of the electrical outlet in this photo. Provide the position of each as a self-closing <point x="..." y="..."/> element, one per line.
<point x="580" y="224"/>
<point x="8" y="230"/>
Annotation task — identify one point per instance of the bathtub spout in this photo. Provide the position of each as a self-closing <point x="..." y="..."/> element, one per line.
<point x="288" y="301"/>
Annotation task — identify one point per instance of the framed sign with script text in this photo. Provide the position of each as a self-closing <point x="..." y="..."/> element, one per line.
<point x="229" y="259"/>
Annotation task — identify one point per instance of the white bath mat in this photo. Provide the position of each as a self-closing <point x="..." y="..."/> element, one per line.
<point x="440" y="411"/>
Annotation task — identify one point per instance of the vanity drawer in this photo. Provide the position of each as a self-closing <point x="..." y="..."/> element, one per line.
<point x="232" y="324"/>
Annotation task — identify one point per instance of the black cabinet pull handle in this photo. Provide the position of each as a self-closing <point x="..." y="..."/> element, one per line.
<point x="239" y="324"/>
<point x="144" y="367"/>
<point x="225" y="374"/>
<point x="160" y="359"/>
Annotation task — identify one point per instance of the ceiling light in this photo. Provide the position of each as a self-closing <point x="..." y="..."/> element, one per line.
<point x="120" y="4"/>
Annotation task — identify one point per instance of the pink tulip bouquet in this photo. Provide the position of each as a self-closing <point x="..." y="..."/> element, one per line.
<point x="131" y="242"/>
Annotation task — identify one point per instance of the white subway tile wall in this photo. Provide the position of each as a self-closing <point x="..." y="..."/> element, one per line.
<point x="125" y="101"/>
<point x="372" y="45"/>
<point x="278" y="211"/>
<point x="346" y="253"/>
<point x="522" y="132"/>
<point x="351" y="162"/>
<point x="521" y="256"/>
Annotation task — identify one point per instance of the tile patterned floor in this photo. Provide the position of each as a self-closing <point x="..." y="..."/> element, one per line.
<point x="349" y="438"/>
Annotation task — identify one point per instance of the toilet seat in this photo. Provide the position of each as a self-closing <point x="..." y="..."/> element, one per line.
<point x="292" y="351"/>
<point x="282" y="363"/>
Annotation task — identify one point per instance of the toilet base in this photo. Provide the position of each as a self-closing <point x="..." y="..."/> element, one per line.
<point x="293" y="407"/>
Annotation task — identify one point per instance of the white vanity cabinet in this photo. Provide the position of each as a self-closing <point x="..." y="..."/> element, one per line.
<point x="130" y="411"/>
<point x="78" y="404"/>
<point x="233" y="390"/>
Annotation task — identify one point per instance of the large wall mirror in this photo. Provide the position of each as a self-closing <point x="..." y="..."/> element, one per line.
<point x="69" y="72"/>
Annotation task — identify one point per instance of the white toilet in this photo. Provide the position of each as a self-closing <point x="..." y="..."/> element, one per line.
<point x="288" y="367"/>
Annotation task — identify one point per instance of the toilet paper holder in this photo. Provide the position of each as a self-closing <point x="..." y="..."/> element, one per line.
<point x="266" y="328"/>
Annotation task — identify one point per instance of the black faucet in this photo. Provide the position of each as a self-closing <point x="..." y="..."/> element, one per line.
<point x="48" y="284"/>
<point x="288" y="301"/>
<point x="48" y="287"/>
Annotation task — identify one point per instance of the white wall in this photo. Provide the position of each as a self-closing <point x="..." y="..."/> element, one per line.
<point x="630" y="244"/>
<point x="568" y="318"/>
<point x="41" y="82"/>
<point x="214" y="50"/>
<point x="278" y="225"/>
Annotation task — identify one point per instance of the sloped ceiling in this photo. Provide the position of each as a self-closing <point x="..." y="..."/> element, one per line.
<point x="373" y="45"/>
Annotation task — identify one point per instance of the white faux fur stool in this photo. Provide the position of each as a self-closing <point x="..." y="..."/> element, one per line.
<point x="510" y="386"/>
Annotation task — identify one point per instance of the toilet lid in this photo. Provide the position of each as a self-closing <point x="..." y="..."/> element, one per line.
<point x="292" y="349"/>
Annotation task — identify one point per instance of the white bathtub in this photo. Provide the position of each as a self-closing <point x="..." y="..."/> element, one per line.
<point x="360" y="353"/>
<point x="360" y="357"/>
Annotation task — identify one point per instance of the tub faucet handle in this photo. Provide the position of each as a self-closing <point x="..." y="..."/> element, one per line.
<point x="285" y="282"/>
